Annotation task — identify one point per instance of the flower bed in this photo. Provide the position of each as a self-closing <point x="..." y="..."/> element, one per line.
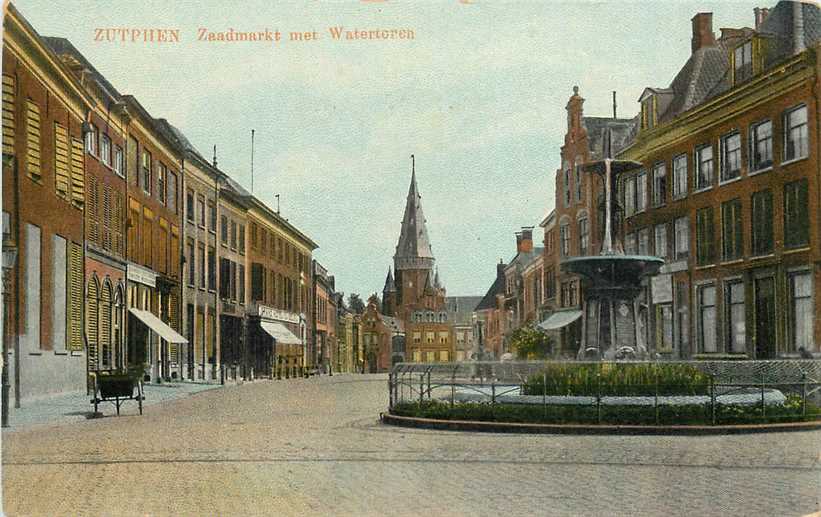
<point x="618" y="380"/>
<point x="691" y="414"/>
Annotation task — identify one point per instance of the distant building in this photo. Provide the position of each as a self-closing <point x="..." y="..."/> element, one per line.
<point x="416" y="296"/>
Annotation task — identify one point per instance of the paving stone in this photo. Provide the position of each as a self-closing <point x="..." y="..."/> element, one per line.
<point x="315" y="447"/>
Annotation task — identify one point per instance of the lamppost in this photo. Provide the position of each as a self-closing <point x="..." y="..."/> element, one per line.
<point x="9" y="258"/>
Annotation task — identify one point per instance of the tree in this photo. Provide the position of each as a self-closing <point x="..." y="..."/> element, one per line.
<point x="355" y="303"/>
<point x="531" y="343"/>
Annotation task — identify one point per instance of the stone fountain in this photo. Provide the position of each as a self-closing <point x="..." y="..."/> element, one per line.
<point x="611" y="281"/>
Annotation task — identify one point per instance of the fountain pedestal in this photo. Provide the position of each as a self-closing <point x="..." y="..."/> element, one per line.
<point x="611" y="280"/>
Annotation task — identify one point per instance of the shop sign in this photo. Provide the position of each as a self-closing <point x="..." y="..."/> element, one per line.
<point x="141" y="275"/>
<point x="277" y="314"/>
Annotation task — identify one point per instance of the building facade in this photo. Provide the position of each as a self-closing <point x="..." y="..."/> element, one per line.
<point x="279" y="260"/>
<point x="323" y="318"/>
<point x="45" y="114"/>
<point x="729" y="192"/>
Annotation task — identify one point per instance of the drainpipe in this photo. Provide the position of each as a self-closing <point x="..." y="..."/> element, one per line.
<point x="16" y="175"/>
<point x="217" y="241"/>
<point x="182" y="261"/>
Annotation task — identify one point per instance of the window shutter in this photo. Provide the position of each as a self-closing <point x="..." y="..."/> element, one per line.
<point x="117" y="223"/>
<point x="75" y="297"/>
<point x="107" y="215"/>
<point x="77" y="173"/>
<point x="8" y="114"/>
<point x="105" y="325"/>
<point x="174" y="321"/>
<point x="61" y="161"/>
<point x="92" y="212"/>
<point x="33" y="141"/>
<point x="93" y="324"/>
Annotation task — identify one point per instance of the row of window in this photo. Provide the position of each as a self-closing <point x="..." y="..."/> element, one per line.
<point x="274" y="289"/>
<point x="232" y="280"/>
<point x="197" y="263"/>
<point x="278" y="248"/>
<point x="431" y="337"/>
<point x="161" y="184"/>
<point x="431" y="356"/>
<point x="232" y="233"/>
<point x="152" y="241"/>
<point x="105" y="210"/>
<point x="66" y="291"/>
<point x="731" y="328"/>
<point x="583" y="228"/>
<point x="796" y="224"/>
<point x="429" y="316"/>
<point x="572" y="195"/>
<point x="759" y="158"/>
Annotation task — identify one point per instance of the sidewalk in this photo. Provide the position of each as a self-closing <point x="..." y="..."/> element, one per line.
<point x="75" y="407"/>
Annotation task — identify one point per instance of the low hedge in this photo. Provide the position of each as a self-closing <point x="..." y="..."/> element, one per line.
<point x="692" y="414"/>
<point x="618" y="379"/>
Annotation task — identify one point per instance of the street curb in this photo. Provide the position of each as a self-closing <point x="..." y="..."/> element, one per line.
<point x="513" y="427"/>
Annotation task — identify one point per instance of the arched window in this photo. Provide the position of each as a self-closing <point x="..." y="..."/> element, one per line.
<point x="117" y="330"/>
<point x="443" y="317"/>
<point x="105" y="325"/>
<point x="92" y="322"/>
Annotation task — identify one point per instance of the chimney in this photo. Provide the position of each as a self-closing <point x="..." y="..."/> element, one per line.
<point x="500" y="269"/>
<point x="703" y="31"/>
<point x="798" y="27"/>
<point x="527" y="239"/>
<point x="518" y="242"/>
<point x="760" y="15"/>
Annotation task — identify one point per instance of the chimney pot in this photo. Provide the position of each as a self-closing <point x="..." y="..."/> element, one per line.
<point x="703" y="31"/>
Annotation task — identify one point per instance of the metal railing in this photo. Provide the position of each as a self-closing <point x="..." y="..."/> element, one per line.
<point x="720" y="392"/>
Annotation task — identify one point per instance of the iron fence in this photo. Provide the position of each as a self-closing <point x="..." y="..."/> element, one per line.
<point x="601" y="392"/>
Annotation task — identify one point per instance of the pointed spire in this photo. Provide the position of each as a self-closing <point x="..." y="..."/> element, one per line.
<point x="436" y="283"/>
<point x="390" y="286"/>
<point x="429" y="281"/>
<point x="413" y="250"/>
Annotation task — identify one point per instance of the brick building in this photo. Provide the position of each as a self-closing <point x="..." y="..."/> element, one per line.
<point x="729" y="192"/>
<point x="45" y="114"/>
<point x="279" y="260"/>
<point x="105" y="265"/>
<point x="323" y="318"/>
<point x="494" y="318"/>
<point x="577" y="220"/>
<point x="379" y="335"/>
<point x="153" y="244"/>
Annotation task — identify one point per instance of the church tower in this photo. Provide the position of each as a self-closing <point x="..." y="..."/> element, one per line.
<point x="413" y="260"/>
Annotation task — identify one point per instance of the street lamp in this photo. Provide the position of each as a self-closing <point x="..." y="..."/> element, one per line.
<point x="9" y="258"/>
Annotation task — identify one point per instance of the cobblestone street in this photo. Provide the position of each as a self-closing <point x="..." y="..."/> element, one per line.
<point x="314" y="447"/>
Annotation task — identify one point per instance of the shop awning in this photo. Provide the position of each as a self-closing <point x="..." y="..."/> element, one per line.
<point x="279" y="332"/>
<point x="156" y="324"/>
<point x="560" y="319"/>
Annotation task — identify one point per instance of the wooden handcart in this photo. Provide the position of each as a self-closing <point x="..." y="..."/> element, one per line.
<point x="118" y="387"/>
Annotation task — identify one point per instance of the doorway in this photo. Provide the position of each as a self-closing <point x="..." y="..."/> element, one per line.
<point x="765" y="346"/>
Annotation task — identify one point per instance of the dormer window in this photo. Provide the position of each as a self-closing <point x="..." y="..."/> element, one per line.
<point x="743" y="62"/>
<point x="649" y="117"/>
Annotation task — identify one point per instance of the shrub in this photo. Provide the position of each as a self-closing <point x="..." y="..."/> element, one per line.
<point x="618" y="379"/>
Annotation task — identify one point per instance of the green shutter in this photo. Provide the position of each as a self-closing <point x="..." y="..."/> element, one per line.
<point x="75" y="297"/>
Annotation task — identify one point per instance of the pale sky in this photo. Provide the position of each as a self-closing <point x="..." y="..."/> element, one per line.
<point x="478" y="96"/>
